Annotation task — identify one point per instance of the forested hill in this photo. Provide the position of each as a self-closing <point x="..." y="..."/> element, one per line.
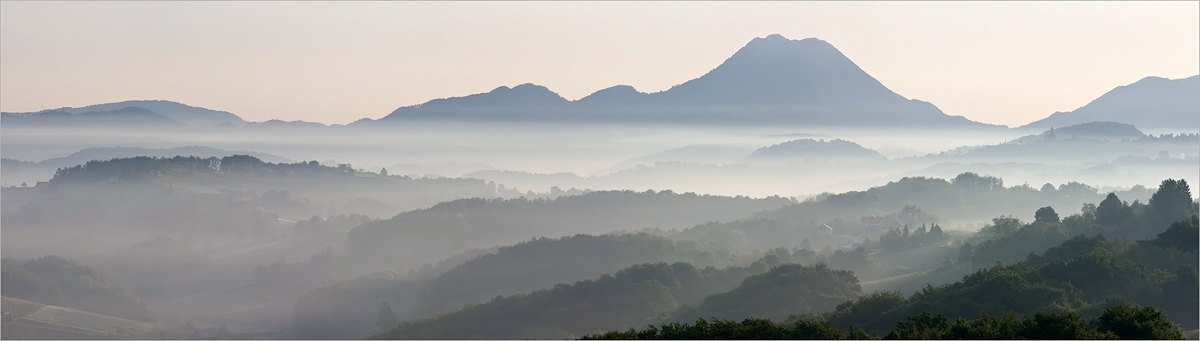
<point x="143" y="167"/>
<point x="630" y="297"/>
<point x="968" y="196"/>
<point x="66" y="282"/>
<point x="1084" y="274"/>
<point x="346" y="309"/>
<point x="427" y="235"/>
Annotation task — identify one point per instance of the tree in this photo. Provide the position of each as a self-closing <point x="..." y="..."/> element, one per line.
<point x="806" y="244"/>
<point x="383" y="171"/>
<point x="1046" y="215"/>
<point x="386" y="319"/>
<point x="1112" y="211"/>
<point x="1172" y="201"/>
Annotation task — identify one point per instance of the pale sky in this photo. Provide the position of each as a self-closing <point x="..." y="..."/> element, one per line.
<point x="1005" y="63"/>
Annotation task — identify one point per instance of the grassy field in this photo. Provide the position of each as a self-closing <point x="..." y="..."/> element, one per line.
<point x="39" y="321"/>
<point x="911" y="282"/>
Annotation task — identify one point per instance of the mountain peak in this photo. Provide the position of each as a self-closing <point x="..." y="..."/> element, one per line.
<point x="778" y="70"/>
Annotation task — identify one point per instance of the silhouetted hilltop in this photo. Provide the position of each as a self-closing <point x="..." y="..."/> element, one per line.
<point x="816" y="151"/>
<point x="771" y="80"/>
<point x="523" y="102"/>
<point x="121" y="117"/>
<point x="1150" y="103"/>
<point x="192" y="116"/>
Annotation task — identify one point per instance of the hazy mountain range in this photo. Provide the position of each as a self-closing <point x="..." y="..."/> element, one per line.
<point x="769" y="81"/>
<point x="772" y="80"/>
<point x="128" y="113"/>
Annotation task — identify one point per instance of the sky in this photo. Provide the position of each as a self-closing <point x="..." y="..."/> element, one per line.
<point x="1007" y="63"/>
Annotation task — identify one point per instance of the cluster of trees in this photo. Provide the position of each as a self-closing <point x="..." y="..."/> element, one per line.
<point x="1121" y="322"/>
<point x="425" y="235"/>
<point x="1009" y="240"/>
<point x="55" y="280"/>
<point x="896" y="240"/>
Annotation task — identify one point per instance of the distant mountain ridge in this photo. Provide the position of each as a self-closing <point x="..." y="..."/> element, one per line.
<point x="771" y="80"/>
<point x="1150" y="103"/>
<point x="192" y="116"/>
<point x="121" y="117"/>
<point x="126" y="114"/>
<point x="814" y="150"/>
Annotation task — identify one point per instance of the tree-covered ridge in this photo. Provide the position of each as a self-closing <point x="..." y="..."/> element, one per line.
<point x="526" y="267"/>
<point x="966" y="196"/>
<point x="478" y="277"/>
<point x="55" y="280"/>
<point x="784" y="290"/>
<point x="1085" y="274"/>
<point x="425" y="235"/>
<point x="1081" y="289"/>
<point x="141" y="167"/>
<point x="1008" y="240"/>
<point x="630" y="297"/>
<point x="1122" y="322"/>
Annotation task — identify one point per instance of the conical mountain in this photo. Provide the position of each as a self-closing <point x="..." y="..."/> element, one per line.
<point x="771" y="80"/>
<point x="775" y="70"/>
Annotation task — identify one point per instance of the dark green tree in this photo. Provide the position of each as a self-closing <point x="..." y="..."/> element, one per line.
<point x="1138" y="323"/>
<point x="1172" y="201"/>
<point x="1112" y="212"/>
<point x="1046" y="215"/>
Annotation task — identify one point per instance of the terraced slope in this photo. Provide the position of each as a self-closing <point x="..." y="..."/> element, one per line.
<point x="39" y="321"/>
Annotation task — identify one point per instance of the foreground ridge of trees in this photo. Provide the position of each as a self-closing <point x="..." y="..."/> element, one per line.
<point x="1084" y="274"/>
<point x="1120" y="322"/>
